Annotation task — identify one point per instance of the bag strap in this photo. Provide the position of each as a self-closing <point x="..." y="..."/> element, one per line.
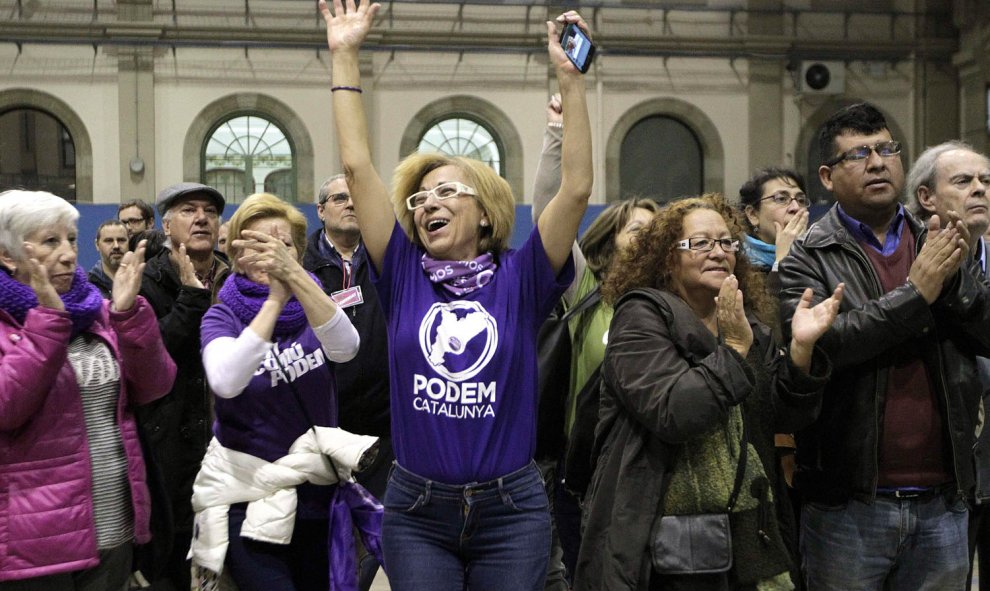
<point x="305" y="412"/>
<point x="741" y="468"/>
<point x="658" y="298"/>
<point x="590" y="299"/>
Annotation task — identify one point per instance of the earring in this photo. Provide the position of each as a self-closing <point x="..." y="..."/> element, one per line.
<point x="484" y="223"/>
<point x="756" y="228"/>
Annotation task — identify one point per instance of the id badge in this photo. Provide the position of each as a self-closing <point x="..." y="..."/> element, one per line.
<point x="346" y="298"/>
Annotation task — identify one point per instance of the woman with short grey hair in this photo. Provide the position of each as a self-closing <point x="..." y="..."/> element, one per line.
<point x="73" y="498"/>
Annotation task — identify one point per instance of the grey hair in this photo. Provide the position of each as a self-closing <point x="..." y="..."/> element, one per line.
<point x="23" y="213"/>
<point x="324" y="193"/>
<point x="924" y="171"/>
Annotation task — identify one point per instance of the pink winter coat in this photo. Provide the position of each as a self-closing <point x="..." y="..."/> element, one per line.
<point x="46" y="507"/>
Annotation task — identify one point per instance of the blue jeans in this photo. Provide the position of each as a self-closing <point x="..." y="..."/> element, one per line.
<point x="481" y="536"/>
<point x="901" y="544"/>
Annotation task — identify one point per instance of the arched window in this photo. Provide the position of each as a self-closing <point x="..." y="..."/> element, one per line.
<point x="661" y="158"/>
<point x="37" y="153"/>
<point x="243" y="152"/>
<point x="816" y="191"/>
<point x="461" y="135"/>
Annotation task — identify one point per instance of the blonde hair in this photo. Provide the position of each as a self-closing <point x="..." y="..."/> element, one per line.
<point x="494" y="196"/>
<point x="260" y="206"/>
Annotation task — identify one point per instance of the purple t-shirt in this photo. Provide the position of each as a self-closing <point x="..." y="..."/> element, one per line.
<point x="265" y="419"/>
<point x="464" y="383"/>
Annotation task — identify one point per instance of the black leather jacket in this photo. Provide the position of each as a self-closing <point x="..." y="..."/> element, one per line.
<point x="838" y="454"/>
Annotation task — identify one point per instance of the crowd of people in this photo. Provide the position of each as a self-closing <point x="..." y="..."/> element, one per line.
<point x="754" y="400"/>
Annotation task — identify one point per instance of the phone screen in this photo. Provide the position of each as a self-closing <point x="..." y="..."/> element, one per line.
<point x="578" y="47"/>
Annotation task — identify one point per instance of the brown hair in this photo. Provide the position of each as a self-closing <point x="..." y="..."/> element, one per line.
<point x="651" y="258"/>
<point x="598" y="242"/>
<point x="266" y="205"/>
<point x="494" y="196"/>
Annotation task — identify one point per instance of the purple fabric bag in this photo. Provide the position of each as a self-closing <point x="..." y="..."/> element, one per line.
<point x="352" y="505"/>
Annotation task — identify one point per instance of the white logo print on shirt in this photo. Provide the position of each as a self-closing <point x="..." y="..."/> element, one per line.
<point x="459" y="323"/>
<point x="458" y="339"/>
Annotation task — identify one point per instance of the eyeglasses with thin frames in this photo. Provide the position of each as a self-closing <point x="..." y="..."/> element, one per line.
<point x="441" y="192"/>
<point x="784" y="199"/>
<point x="338" y="199"/>
<point x="708" y="244"/>
<point x="883" y="149"/>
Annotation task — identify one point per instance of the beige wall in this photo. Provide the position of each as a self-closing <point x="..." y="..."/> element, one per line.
<point x="754" y="123"/>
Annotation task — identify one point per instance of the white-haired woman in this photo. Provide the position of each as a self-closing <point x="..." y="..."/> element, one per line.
<point x="73" y="497"/>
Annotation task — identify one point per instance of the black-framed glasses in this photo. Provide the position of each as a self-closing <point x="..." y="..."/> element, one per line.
<point x="784" y="199"/>
<point x="708" y="244"/>
<point x="337" y="199"/>
<point x="883" y="149"/>
<point x="133" y="221"/>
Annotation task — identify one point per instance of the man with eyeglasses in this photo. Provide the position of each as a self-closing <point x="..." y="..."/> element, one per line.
<point x="336" y="255"/>
<point x="181" y="283"/>
<point x="952" y="176"/>
<point x="136" y="215"/>
<point x="884" y="471"/>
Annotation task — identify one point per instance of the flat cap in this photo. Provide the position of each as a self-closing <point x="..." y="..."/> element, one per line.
<point x="169" y="195"/>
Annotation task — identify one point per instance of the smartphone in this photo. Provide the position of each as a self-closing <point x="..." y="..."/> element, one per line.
<point x="578" y="47"/>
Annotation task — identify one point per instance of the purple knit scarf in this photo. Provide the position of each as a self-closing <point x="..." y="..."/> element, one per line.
<point x="461" y="277"/>
<point x="83" y="301"/>
<point x="245" y="298"/>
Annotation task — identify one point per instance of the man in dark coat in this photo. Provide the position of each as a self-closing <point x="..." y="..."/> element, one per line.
<point x="180" y="283"/>
<point x="896" y="430"/>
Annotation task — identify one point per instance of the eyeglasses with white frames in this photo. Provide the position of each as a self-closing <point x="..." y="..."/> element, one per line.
<point x="442" y="192"/>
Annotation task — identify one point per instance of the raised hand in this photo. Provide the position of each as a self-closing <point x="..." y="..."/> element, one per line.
<point x="187" y="273"/>
<point x="733" y="327"/>
<point x="127" y="280"/>
<point x="788" y="234"/>
<point x="555" y="110"/>
<point x="38" y="280"/>
<point x="554" y="28"/>
<point x="938" y="259"/>
<point x="348" y="25"/>
<point x="809" y="324"/>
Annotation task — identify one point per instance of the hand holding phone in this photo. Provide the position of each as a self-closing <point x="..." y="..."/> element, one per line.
<point x="578" y="47"/>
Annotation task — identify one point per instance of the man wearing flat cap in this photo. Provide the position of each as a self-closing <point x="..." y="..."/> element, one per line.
<point x="180" y="284"/>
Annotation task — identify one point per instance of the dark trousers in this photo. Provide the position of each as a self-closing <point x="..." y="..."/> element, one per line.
<point x="301" y="565"/>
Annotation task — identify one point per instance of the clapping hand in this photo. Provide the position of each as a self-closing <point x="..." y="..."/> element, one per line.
<point x="187" y="272"/>
<point x="266" y="252"/>
<point x="348" y="24"/>
<point x="127" y="280"/>
<point x="939" y="257"/>
<point x="39" y="282"/>
<point x="809" y="323"/>
<point x="733" y="327"/>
